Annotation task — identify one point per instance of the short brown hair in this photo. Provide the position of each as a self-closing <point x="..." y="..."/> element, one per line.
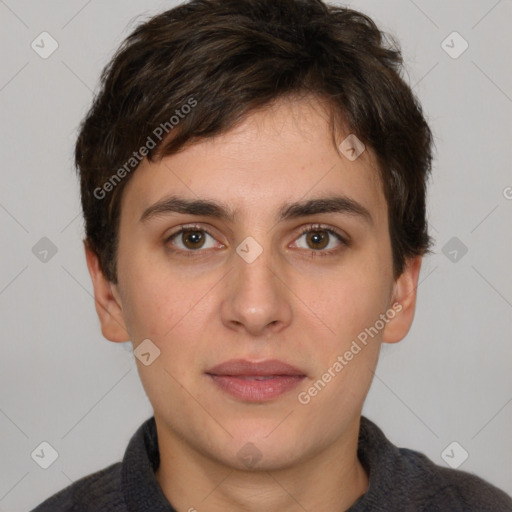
<point x="231" y="57"/>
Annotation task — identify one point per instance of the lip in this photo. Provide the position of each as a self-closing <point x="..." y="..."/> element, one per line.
<point x="255" y="381"/>
<point x="243" y="367"/>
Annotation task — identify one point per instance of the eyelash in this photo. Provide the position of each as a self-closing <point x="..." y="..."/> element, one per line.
<point x="307" y="229"/>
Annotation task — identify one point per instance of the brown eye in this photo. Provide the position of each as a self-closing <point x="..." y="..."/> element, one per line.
<point x="192" y="238"/>
<point x="317" y="239"/>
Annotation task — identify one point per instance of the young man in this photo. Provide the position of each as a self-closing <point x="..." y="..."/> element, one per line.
<point x="253" y="178"/>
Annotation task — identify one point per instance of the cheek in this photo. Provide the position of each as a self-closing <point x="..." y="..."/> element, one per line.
<point x="351" y="299"/>
<point x="168" y="307"/>
<point x="152" y="304"/>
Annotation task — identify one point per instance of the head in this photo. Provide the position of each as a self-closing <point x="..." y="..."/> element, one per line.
<point x="248" y="109"/>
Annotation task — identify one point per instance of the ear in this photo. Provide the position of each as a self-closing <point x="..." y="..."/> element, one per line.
<point x="107" y="300"/>
<point x="403" y="302"/>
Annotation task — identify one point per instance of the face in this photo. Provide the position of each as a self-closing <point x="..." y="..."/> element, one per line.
<point x="253" y="278"/>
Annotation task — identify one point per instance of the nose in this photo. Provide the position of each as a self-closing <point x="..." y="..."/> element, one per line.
<point x="257" y="299"/>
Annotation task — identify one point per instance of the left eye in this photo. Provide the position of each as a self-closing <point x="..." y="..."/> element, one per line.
<point x="319" y="238"/>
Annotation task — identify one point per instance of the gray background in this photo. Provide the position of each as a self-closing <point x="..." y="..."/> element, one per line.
<point x="63" y="383"/>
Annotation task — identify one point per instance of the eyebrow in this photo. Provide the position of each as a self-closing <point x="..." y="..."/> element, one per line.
<point x="214" y="209"/>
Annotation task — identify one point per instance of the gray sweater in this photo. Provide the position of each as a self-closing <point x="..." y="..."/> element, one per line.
<point x="401" y="480"/>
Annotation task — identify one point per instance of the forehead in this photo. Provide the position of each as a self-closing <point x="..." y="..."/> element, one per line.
<point x="277" y="155"/>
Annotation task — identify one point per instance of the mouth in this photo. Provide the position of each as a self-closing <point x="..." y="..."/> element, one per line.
<point x="255" y="381"/>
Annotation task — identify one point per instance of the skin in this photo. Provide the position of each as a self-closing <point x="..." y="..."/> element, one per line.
<point x="287" y="305"/>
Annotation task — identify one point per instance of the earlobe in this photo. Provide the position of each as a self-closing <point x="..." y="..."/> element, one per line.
<point x="107" y="300"/>
<point x="404" y="294"/>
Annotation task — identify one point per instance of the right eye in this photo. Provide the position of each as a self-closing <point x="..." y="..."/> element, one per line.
<point x="189" y="239"/>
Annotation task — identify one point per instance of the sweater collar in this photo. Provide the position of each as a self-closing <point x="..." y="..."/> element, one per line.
<point x="142" y="492"/>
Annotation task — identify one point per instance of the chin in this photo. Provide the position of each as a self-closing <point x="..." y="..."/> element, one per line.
<point x="262" y="447"/>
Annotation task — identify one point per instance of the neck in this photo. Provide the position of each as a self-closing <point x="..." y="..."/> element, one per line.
<point x="330" y="480"/>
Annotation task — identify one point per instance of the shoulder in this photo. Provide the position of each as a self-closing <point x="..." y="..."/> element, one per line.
<point x="451" y="489"/>
<point x="98" y="491"/>
<point x="407" y="480"/>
